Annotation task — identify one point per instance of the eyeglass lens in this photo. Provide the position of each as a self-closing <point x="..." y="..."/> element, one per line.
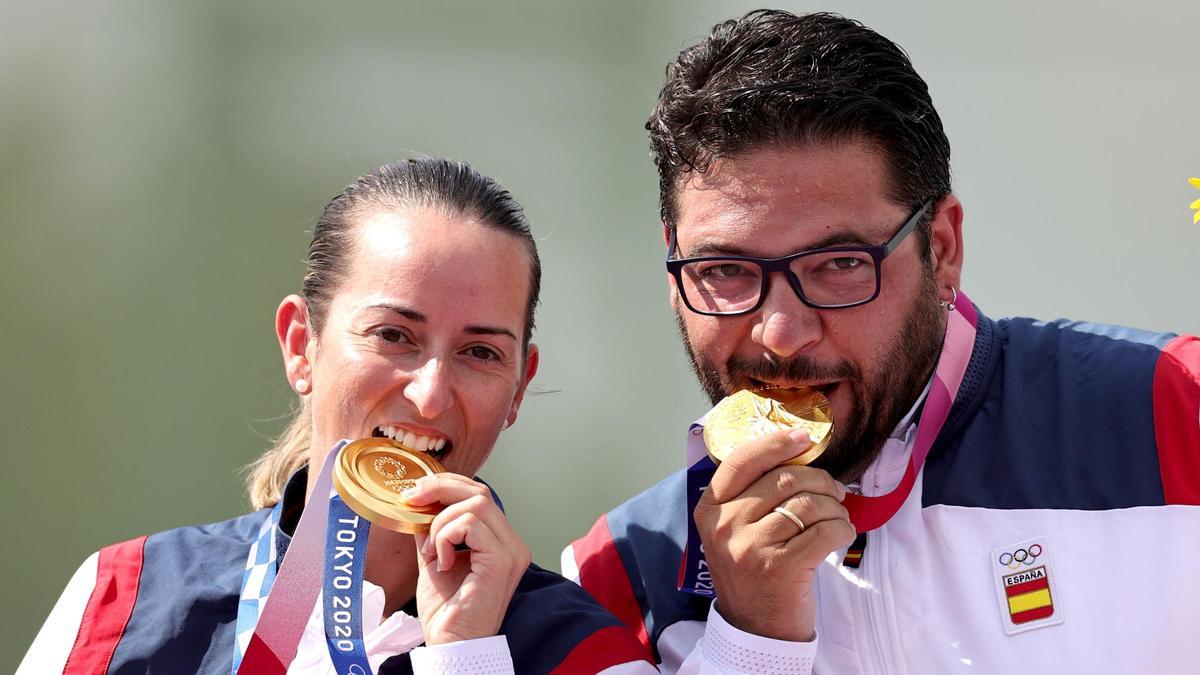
<point x="831" y="279"/>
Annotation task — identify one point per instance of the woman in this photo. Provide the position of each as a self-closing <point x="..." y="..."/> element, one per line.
<point x="414" y="323"/>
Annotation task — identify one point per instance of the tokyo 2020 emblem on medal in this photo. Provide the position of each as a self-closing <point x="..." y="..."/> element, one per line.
<point x="371" y="473"/>
<point x="747" y="415"/>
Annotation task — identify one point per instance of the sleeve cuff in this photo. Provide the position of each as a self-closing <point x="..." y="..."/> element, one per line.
<point x="482" y="655"/>
<point x="733" y="650"/>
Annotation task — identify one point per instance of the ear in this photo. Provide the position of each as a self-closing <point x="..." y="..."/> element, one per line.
<point x="295" y="338"/>
<point x="946" y="243"/>
<point x="531" y="366"/>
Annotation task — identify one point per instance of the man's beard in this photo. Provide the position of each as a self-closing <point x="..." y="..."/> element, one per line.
<point x="876" y="406"/>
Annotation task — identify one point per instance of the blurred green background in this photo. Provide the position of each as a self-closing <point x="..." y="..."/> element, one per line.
<point x="161" y="164"/>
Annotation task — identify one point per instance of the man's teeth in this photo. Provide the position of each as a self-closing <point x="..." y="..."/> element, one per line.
<point x="412" y="441"/>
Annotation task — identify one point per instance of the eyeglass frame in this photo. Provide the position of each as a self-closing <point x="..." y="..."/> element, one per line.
<point x="768" y="265"/>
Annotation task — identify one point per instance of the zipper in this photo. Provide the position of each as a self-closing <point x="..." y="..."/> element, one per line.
<point x="872" y="603"/>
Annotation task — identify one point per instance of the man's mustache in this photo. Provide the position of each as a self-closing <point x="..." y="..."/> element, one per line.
<point x="795" y="369"/>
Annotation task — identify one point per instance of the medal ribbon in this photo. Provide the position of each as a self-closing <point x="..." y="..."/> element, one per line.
<point x="870" y="513"/>
<point x="257" y="579"/>
<point x="294" y="593"/>
<point x="866" y="513"/>
<point x="341" y="593"/>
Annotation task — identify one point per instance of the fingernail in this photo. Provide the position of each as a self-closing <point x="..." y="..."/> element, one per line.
<point x="841" y="490"/>
<point x="427" y="547"/>
<point x="442" y="564"/>
<point x="798" y="435"/>
<point x="409" y="493"/>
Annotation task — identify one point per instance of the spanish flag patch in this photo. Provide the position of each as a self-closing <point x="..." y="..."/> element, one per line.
<point x="1025" y="586"/>
<point x="1029" y="597"/>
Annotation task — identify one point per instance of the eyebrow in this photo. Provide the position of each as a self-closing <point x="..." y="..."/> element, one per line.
<point x="414" y="315"/>
<point x="489" y="330"/>
<point x="410" y="314"/>
<point x="837" y="238"/>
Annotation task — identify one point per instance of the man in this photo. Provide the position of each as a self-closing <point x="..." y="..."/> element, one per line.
<point x="1000" y="496"/>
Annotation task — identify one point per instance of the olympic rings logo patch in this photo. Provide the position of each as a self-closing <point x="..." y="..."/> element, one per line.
<point x="1021" y="556"/>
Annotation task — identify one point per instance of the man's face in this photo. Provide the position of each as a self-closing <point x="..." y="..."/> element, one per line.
<point x="871" y="361"/>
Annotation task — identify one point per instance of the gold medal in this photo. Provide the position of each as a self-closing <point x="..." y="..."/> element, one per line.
<point x="371" y="473"/>
<point x="747" y="415"/>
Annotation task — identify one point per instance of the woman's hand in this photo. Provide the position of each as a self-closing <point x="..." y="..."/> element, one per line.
<point x="463" y="595"/>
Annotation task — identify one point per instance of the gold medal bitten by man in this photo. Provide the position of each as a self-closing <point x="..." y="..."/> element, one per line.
<point x="371" y="473"/>
<point x="747" y="415"/>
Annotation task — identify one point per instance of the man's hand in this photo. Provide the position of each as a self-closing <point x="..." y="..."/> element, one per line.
<point x="763" y="565"/>
<point x="463" y="595"/>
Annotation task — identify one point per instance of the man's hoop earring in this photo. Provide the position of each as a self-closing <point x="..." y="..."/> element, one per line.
<point x="949" y="306"/>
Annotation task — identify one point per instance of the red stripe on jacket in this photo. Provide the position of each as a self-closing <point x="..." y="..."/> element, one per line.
<point x="605" y="648"/>
<point x="108" y="609"/>
<point x="1177" y="419"/>
<point x="602" y="574"/>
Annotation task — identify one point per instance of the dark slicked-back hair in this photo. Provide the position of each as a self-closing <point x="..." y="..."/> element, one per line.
<point x="774" y="79"/>
<point x="431" y="182"/>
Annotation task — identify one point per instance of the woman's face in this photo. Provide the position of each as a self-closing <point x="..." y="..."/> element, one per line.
<point x="423" y="339"/>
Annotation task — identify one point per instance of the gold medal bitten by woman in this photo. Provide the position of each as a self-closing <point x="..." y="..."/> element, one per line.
<point x="371" y="473"/>
<point x="747" y="415"/>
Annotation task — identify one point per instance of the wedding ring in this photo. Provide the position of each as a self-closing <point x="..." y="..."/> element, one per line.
<point x="790" y="516"/>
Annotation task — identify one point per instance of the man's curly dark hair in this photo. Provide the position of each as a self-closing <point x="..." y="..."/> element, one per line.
<point x="772" y="78"/>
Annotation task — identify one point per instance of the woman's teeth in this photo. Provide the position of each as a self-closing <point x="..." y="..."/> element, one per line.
<point x="412" y="441"/>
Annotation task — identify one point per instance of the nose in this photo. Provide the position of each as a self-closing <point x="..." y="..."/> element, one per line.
<point x="428" y="389"/>
<point x="785" y="325"/>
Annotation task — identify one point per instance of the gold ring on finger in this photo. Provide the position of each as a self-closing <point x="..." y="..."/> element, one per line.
<point x="790" y="516"/>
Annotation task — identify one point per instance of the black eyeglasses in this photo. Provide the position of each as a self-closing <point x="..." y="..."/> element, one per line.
<point x="826" y="278"/>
